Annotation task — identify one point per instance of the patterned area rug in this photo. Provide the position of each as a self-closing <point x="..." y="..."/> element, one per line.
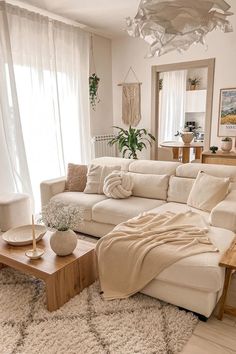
<point x="86" y="324"/>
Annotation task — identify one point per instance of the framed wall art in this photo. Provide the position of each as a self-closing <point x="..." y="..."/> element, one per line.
<point x="227" y="112"/>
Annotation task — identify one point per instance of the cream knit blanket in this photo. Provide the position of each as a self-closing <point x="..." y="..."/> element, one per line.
<point x="136" y="251"/>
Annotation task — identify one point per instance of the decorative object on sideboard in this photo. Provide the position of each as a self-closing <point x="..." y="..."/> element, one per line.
<point x="194" y="83"/>
<point x="36" y="252"/>
<point x="131" y="99"/>
<point x="131" y="141"/>
<point x="226" y="144"/>
<point x="227" y="112"/>
<point x="177" y="24"/>
<point x="62" y="219"/>
<point x="213" y="149"/>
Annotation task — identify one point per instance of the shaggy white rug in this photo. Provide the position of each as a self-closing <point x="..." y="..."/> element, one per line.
<point x="86" y="324"/>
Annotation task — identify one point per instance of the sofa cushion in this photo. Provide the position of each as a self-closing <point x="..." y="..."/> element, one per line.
<point x="150" y="185"/>
<point x="207" y="191"/>
<point x="154" y="167"/>
<point x="96" y="176"/>
<point x="190" y="170"/>
<point x="80" y="199"/>
<point x="179" y="189"/>
<point x="201" y="271"/>
<point x="115" y="211"/>
<point x="179" y="208"/>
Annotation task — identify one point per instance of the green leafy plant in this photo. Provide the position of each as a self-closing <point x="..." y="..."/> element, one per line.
<point x="194" y="82"/>
<point x="93" y="90"/>
<point x="131" y="141"/>
<point x="227" y="138"/>
<point x="213" y="149"/>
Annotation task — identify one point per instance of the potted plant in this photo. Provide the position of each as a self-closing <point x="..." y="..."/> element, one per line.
<point x="226" y="144"/>
<point x="194" y="82"/>
<point x="61" y="219"/>
<point x="93" y="90"/>
<point x="213" y="149"/>
<point x="131" y="141"/>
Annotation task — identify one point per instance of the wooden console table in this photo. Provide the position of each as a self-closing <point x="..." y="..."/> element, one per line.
<point x="229" y="262"/>
<point x="219" y="158"/>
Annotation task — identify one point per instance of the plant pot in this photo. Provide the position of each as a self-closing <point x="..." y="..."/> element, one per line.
<point x="193" y="87"/>
<point x="187" y="137"/>
<point x="63" y="243"/>
<point x="226" y="146"/>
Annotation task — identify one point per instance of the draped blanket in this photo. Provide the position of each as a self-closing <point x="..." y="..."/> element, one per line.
<point x="136" y="251"/>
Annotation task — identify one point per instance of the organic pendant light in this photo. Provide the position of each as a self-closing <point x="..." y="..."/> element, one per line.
<point x="177" y="24"/>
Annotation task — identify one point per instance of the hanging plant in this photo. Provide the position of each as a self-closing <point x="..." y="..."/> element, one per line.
<point x="93" y="90"/>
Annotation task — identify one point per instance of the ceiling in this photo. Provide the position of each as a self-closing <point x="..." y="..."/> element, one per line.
<point x="106" y="16"/>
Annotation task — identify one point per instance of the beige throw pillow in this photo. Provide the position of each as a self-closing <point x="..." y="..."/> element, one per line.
<point x="95" y="178"/>
<point x="150" y="185"/>
<point x="207" y="191"/>
<point x="76" y="177"/>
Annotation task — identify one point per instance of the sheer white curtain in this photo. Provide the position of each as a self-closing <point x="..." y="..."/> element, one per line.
<point x="14" y="173"/>
<point x="51" y="69"/>
<point x="172" y="106"/>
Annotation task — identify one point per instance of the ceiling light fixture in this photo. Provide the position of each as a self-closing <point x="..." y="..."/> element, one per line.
<point x="177" y="24"/>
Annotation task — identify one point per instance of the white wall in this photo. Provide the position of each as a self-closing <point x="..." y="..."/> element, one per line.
<point x="127" y="51"/>
<point x="101" y="120"/>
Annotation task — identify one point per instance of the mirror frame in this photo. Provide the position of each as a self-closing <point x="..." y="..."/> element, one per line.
<point x="156" y="70"/>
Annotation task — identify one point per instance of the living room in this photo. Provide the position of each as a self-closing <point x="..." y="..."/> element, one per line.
<point x="117" y="180"/>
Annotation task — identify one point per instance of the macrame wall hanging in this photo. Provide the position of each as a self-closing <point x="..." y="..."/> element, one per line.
<point x="131" y="100"/>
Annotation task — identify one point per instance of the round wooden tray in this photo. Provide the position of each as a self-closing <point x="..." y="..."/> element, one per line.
<point x="22" y="235"/>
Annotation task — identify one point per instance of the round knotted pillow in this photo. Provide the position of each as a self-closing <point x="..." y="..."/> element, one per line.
<point x="118" y="185"/>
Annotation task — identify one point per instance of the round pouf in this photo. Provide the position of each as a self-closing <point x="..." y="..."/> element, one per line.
<point x="63" y="243"/>
<point x="15" y="210"/>
<point x="118" y="185"/>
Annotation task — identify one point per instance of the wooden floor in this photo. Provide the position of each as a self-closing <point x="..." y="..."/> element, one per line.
<point x="214" y="336"/>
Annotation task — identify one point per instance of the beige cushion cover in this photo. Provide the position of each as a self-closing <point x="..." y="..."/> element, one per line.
<point x="76" y="177"/>
<point x="150" y="185"/>
<point x="154" y="167"/>
<point x="179" y="189"/>
<point x="95" y="178"/>
<point x="115" y="211"/>
<point x="207" y="191"/>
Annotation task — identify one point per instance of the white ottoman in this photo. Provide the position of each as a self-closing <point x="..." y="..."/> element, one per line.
<point x="15" y="210"/>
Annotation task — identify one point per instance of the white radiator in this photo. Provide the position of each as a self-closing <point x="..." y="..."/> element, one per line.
<point x="101" y="148"/>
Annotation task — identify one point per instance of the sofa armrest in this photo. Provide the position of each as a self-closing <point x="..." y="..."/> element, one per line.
<point x="50" y="188"/>
<point x="224" y="213"/>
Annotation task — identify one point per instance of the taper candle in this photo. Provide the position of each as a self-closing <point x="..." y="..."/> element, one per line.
<point x="33" y="234"/>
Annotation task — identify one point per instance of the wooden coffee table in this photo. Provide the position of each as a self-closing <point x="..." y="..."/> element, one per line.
<point x="228" y="261"/>
<point x="64" y="276"/>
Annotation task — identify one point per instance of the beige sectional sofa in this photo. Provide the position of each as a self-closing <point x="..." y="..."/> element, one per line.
<point x="194" y="283"/>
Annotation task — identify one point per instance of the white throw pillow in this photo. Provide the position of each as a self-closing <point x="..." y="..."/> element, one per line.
<point x="150" y="185"/>
<point x="207" y="191"/>
<point x="95" y="178"/>
<point x="118" y="185"/>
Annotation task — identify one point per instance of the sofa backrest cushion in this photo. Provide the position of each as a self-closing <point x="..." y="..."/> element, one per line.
<point x="113" y="161"/>
<point x="150" y="185"/>
<point x="179" y="189"/>
<point x="154" y="167"/>
<point x="190" y="170"/>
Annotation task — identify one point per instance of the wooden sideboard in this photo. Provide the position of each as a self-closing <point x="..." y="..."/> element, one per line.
<point x="219" y="158"/>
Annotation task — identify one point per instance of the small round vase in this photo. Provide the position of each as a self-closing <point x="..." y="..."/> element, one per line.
<point x="63" y="243"/>
<point x="226" y="146"/>
<point x="187" y="137"/>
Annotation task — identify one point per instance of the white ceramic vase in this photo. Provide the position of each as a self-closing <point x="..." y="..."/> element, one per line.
<point x="63" y="243"/>
<point x="226" y="146"/>
<point x="187" y="137"/>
